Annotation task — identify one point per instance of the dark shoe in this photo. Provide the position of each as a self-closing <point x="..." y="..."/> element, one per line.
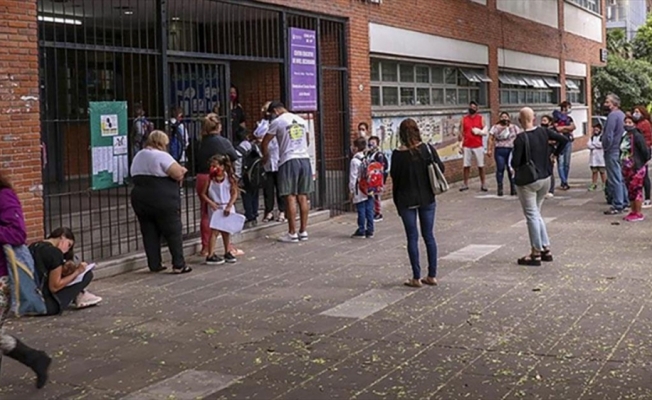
<point x="532" y="260"/>
<point x="159" y="269"/>
<point x="378" y="218"/>
<point x="369" y="235"/>
<point x="464" y="188"/>
<point x="37" y="360"/>
<point x="214" y="260"/>
<point x="546" y="256"/>
<point x="500" y="190"/>
<point x="359" y="235"/>
<point x="183" y="270"/>
<point x="484" y="189"/>
<point x="230" y="258"/>
<point x="613" y="211"/>
<point x="512" y="191"/>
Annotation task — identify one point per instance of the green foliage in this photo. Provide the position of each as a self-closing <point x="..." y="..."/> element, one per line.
<point x="642" y="43"/>
<point x="617" y="43"/>
<point x="630" y="79"/>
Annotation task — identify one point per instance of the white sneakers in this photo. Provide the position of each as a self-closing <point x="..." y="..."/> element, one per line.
<point x="86" y="299"/>
<point x="294" y="238"/>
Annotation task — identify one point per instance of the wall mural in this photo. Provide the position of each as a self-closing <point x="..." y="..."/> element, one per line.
<point x="440" y="130"/>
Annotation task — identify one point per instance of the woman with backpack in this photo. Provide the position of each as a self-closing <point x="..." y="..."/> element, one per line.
<point x="414" y="198"/>
<point x="13" y="233"/>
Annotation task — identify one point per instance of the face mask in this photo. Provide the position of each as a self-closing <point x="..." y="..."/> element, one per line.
<point x="629" y="128"/>
<point x="216" y="171"/>
<point x="504" y="122"/>
<point x="606" y="108"/>
<point x="233" y="96"/>
<point x="472" y="111"/>
<point x="545" y="125"/>
<point x="372" y="145"/>
<point x="569" y="111"/>
<point x="636" y="116"/>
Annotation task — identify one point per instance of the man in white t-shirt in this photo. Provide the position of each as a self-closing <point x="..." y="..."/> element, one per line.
<point x="294" y="170"/>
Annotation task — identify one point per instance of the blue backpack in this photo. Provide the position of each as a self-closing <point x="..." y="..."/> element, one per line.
<point x="177" y="141"/>
<point x="26" y="294"/>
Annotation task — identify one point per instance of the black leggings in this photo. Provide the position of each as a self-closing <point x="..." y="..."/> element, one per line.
<point x="646" y="184"/>
<point x="67" y="295"/>
<point x="156" y="224"/>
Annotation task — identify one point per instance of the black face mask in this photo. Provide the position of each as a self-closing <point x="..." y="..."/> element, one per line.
<point x="606" y="108"/>
<point x="504" y="122"/>
<point x="472" y="111"/>
<point x="545" y="125"/>
<point x="630" y="128"/>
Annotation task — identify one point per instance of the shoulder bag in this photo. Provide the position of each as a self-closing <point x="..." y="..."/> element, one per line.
<point x="526" y="173"/>
<point x="438" y="181"/>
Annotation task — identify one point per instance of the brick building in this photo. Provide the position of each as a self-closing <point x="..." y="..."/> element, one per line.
<point x="378" y="61"/>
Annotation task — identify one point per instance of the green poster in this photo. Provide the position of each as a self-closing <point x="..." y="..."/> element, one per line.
<point x="109" y="144"/>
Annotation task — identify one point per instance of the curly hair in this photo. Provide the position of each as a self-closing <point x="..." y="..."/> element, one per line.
<point x="644" y="113"/>
<point x="225" y="162"/>
<point x="211" y="124"/>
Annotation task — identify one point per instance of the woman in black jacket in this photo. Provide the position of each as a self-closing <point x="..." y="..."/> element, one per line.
<point x="533" y="167"/>
<point x="413" y="196"/>
<point x="634" y="155"/>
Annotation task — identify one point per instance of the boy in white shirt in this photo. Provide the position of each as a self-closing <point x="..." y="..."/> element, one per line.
<point x="364" y="202"/>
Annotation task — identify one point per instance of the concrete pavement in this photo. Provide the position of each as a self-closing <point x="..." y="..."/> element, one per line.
<point x="330" y="319"/>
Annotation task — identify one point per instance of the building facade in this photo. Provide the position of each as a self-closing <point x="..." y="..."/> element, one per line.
<point x="627" y="15"/>
<point x="369" y="60"/>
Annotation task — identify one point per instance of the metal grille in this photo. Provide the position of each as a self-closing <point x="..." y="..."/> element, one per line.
<point x="160" y="54"/>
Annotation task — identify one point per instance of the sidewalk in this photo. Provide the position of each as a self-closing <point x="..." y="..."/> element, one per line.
<point x="330" y="319"/>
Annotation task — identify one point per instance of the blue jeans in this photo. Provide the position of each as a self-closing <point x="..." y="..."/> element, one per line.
<point x="616" y="189"/>
<point x="366" y="216"/>
<point x="250" y="200"/>
<point x="502" y="158"/>
<point x="531" y="197"/>
<point x="427" y="221"/>
<point x="564" y="161"/>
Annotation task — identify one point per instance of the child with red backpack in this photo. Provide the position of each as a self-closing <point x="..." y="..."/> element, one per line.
<point x="376" y="154"/>
<point x="365" y="181"/>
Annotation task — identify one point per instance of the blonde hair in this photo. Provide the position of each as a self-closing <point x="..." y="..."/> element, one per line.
<point x="266" y="106"/>
<point x="211" y="124"/>
<point x="158" y="140"/>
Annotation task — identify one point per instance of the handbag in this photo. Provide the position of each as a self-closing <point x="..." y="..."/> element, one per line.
<point x="438" y="181"/>
<point x="526" y="173"/>
<point x="26" y="288"/>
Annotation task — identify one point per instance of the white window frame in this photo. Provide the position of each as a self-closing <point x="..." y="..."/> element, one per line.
<point x="593" y="6"/>
<point x="520" y="89"/>
<point x="576" y="90"/>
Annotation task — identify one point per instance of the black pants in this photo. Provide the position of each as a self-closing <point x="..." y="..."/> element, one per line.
<point x="271" y="193"/>
<point x="67" y="295"/>
<point x="646" y="184"/>
<point x="154" y="224"/>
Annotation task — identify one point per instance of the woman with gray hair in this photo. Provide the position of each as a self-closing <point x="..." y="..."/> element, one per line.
<point x="532" y="166"/>
<point x="156" y="201"/>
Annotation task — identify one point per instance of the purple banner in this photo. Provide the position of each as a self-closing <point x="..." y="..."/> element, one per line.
<point x="303" y="70"/>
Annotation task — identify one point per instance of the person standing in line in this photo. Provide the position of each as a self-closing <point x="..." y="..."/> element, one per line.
<point x="178" y="137"/>
<point x="271" y="191"/>
<point x="363" y="201"/>
<point x="642" y="118"/>
<point x="376" y="154"/>
<point x="156" y="200"/>
<point x="414" y="198"/>
<point x="363" y="129"/>
<point x="294" y="171"/>
<point x="473" y="129"/>
<point x="501" y="144"/>
<point x="634" y="155"/>
<point x="565" y="125"/>
<point x="546" y="122"/>
<point x="248" y="153"/>
<point x="238" y="117"/>
<point x="141" y="128"/>
<point x="14" y="233"/>
<point x="596" y="158"/>
<point x="611" y="138"/>
<point x="531" y="148"/>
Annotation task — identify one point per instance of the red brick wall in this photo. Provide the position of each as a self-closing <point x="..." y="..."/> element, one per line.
<point x="19" y="108"/>
<point x="257" y="84"/>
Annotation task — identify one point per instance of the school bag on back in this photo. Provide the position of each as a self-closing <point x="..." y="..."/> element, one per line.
<point x="253" y="172"/>
<point x="177" y="142"/>
<point x="26" y="287"/>
<point x="371" y="176"/>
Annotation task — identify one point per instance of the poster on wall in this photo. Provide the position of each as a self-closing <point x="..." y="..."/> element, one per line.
<point x="196" y="93"/>
<point x="109" y="144"/>
<point x="303" y="70"/>
<point x="312" y="146"/>
<point x="439" y="130"/>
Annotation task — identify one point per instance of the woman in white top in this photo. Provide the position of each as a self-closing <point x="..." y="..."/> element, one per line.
<point x="221" y="195"/>
<point x="156" y="201"/>
<point x="270" y="186"/>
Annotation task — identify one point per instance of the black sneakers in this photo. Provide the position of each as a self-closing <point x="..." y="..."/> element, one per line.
<point x="230" y="258"/>
<point x="214" y="260"/>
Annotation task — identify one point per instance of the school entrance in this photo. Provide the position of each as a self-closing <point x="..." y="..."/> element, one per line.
<point x="160" y="54"/>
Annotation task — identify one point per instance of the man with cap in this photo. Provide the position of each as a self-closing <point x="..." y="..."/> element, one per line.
<point x="294" y="169"/>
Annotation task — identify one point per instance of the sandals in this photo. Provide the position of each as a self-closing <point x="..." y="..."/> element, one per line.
<point x="413" y="283"/>
<point x="430" y="281"/>
<point x="183" y="270"/>
<point x="546" y="256"/>
<point x="532" y="260"/>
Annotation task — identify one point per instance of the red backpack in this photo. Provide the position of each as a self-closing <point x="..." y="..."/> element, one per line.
<point x="371" y="177"/>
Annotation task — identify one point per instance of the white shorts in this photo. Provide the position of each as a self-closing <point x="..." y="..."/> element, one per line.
<point x="477" y="153"/>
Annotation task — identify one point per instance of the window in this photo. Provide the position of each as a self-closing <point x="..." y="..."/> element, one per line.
<point x="575" y="90"/>
<point x="591" y="5"/>
<point x="520" y="89"/>
<point x="412" y="85"/>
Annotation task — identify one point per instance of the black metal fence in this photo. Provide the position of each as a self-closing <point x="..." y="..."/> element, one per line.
<point x="164" y="53"/>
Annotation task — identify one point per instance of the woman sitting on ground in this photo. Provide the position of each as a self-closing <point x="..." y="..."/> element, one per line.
<point x="54" y="265"/>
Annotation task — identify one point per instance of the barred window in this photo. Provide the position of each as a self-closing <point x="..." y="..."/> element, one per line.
<point x="576" y="90"/>
<point x="591" y="5"/>
<point x="519" y="89"/>
<point x="398" y="84"/>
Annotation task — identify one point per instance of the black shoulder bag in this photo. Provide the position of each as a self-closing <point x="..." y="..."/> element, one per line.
<point x="526" y="173"/>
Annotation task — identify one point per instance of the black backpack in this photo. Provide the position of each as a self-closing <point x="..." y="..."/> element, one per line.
<point x="253" y="171"/>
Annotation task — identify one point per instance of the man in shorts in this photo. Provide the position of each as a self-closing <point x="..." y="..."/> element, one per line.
<point x="472" y="131"/>
<point x="294" y="171"/>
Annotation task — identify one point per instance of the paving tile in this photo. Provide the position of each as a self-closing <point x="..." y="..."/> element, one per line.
<point x="187" y="385"/>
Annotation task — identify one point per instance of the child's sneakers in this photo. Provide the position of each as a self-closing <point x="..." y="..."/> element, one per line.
<point x="359" y="235"/>
<point x="647" y="204"/>
<point x="634" y="217"/>
<point x="214" y="260"/>
<point x="593" y="187"/>
<point x="230" y="258"/>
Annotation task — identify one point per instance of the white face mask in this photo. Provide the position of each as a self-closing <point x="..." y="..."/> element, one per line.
<point x="363" y="133"/>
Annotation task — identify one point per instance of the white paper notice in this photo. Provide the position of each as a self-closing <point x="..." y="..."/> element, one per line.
<point x="120" y="145"/>
<point x="231" y="224"/>
<point x="80" y="277"/>
<point x="115" y="168"/>
<point x="96" y="160"/>
<point x="107" y="156"/>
